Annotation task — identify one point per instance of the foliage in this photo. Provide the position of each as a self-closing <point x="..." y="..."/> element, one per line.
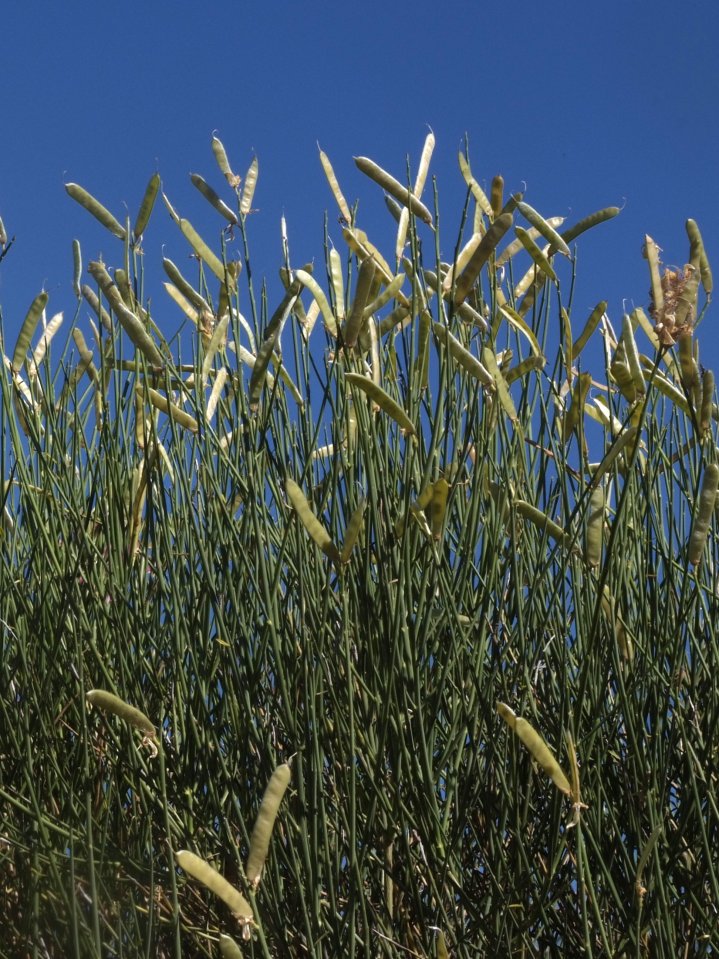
<point x="396" y="550"/>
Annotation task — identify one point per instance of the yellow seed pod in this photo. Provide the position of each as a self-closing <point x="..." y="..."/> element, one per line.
<point x="545" y="230"/>
<point x="698" y="257"/>
<point x="705" y="511"/>
<point x="175" y="412"/>
<point x="224" y="164"/>
<point x="365" y="280"/>
<point x="478" y="193"/>
<point x="539" y="750"/>
<point x="540" y="260"/>
<point x="705" y="416"/>
<point x="186" y="288"/>
<point x="93" y="206"/>
<point x="262" y="830"/>
<point x="352" y="532"/>
<point x="589" y="327"/>
<point x="385" y="402"/>
<point x="488" y="245"/>
<point x="216" y="883"/>
<point x="651" y="254"/>
<point x="147" y="205"/>
<point x="542" y="521"/>
<point x="202" y="249"/>
<point x="334" y="186"/>
<point x="110" y="703"/>
<point x="27" y="330"/>
<point x="76" y="268"/>
<point x="528" y="365"/>
<point x="214" y="199"/>
<point x="338" y="283"/>
<point x="310" y="522"/>
<point x="438" y="508"/>
<point x="466" y="360"/>
<point x="307" y="280"/>
<point x="229" y="948"/>
<point x="497" y="194"/>
<point x="595" y="526"/>
<point x="573" y="415"/>
<point x="401" y="193"/>
<point x="248" y="190"/>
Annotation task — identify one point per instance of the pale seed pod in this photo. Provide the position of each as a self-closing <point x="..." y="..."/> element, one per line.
<point x="217" y="388"/>
<point x="516" y="245"/>
<point x="542" y="521"/>
<point x="175" y="412"/>
<point x="540" y="224"/>
<point x="47" y="334"/>
<point x="497" y="194"/>
<point x="389" y="293"/>
<point x="262" y="830"/>
<point x="248" y="190"/>
<point x="478" y="193"/>
<point x="307" y="280"/>
<point x="132" y="324"/>
<point x="502" y="387"/>
<point x="589" y="327"/>
<point x="214" y="199"/>
<point x="110" y="703"/>
<point x="316" y="530"/>
<point x="698" y="257"/>
<point x="27" y="331"/>
<point x="627" y="436"/>
<point x="202" y="249"/>
<point x="216" y="883"/>
<point x="224" y="164"/>
<point x="3" y="233"/>
<point x="229" y="948"/>
<point x="595" y="527"/>
<point x="365" y="279"/>
<point x="334" y="186"/>
<point x="594" y="219"/>
<point x="184" y="286"/>
<point x="76" y="268"/>
<point x="401" y="193"/>
<point x="540" y="260"/>
<point x="146" y="206"/>
<point x="632" y="354"/>
<point x="573" y="415"/>
<point x="93" y="206"/>
<point x="521" y="325"/>
<point x="538" y="749"/>
<point x="705" y="416"/>
<point x="651" y="254"/>
<point x="419" y="183"/>
<point x="259" y="370"/>
<point x="385" y="402"/>
<point x="705" y="511"/>
<point x="469" y="363"/>
<point x="338" y="285"/>
<point x="527" y="365"/>
<point x="489" y="243"/>
<point x="438" y="507"/>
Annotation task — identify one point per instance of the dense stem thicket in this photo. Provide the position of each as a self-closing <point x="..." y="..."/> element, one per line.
<point x="530" y="533"/>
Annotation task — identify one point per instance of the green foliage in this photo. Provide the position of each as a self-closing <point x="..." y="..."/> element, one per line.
<point x="358" y="557"/>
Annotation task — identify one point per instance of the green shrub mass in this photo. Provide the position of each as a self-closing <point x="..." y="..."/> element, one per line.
<point x="425" y="531"/>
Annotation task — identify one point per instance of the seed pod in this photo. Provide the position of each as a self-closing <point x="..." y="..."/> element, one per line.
<point x="497" y="194"/>
<point x="627" y="436"/>
<point x="705" y="511"/>
<point x="110" y="703"/>
<point x="419" y="183"/>
<point x="501" y="385"/>
<point x="632" y="355"/>
<point x="542" y="521"/>
<point x="248" y="190"/>
<point x="353" y="530"/>
<point x="539" y="750"/>
<point x="93" y="206"/>
<point x="698" y="257"/>
<point x="217" y="884"/>
<point x="27" y="331"/>
<point x="385" y="402"/>
<point x="132" y="324"/>
<point x="184" y="286"/>
<point x="438" y="507"/>
<point x="202" y="249"/>
<point x="3" y="233"/>
<point x="547" y="231"/>
<point x="394" y="188"/>
<point x="213" y="198"/>
<point x="594" y="219"/>
<point x="146" y="207"/>
<point x="478" y="193"/>
<point x="574" y="414"/>
<point x="589" y="327"/>
<point x="464" y="358"/>
<point x="595" y="527"/>
<point x="175" y="413"/>
<point x="528" y="365"/>
<point x="705" y="416"/>
<point x="489" y="243"/>
<point x="536" y="254"/>
<point x="76" y="268"/>
<point x="224" y="164"/>
<point x="521" y="325"/>
<point x="651" y="254"/>
<point x="334" y="186"/>
<point x="389" y="293"/>
<point x="259" y="370"/>
<point x="262" y="830"/>
<point x="229" y="948"/>
<point x="307" y="280"/>
<point x="365" y="279"/>
<point x="310" y="522"/>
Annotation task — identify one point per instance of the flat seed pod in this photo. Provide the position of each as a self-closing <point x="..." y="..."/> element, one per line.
<point x="542" y="521"/>
<point x="573" y="415"/>
<point x="385" y="402"/>
<point x="589" y="327"/>
<point x="419" y="183"/>
<point x="488" y="245"/>
<point x="147" y="205"/>
<point x="539" y="750"/>
<point x="477" y="192"/>
<point x="469" y="363"/>
<point x="310" y="522"/>
<point x="626" y="437"/>
<point x="259" y="370"/>
<point x="528" y="365"/>
<point x="248" y="190"/>
<point x="387" y="294"/>
<point x="698" y="257"/>
<point x="262" y="830"/>
<point x="93" y="206"/>
<point x="536" y="254"/>
<point x="521" y="325"/>
<point x="401" y="193"/>
<point x="184" y="286"/>
<point x="76" y="268"/>
<point x="217" y="884"/>
<point x="540" y="224"/>
<point x="307" y="280"/>
<point x="27" y="331"/>
<point x="651" y="254"/>
<point x="335" y="187"/>
<point x="229" y="948"/>
<point x="214" y="199"/>
<point x="497" y="194"/>
<point x="110" y="703"/>
<point x="353" y="530"/>
<point x="438" y="508"/>
<point x="175" y="412"/>
<point x="224" y="164"/>
<point x="705" y="511"/>
<point x="705" y="416"/>
<point x="594" y="219"/>
<point x="48" y="333"/>
<point x="202" y="249"/>
<point x="595" y="526"/>
<point x="501" y="385"/>
<point x="365" y="279"/>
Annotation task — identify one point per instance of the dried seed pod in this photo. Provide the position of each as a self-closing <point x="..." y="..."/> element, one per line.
<point x="216" y="883"/>
<point x="401" y="193"/>
<point x="248" y="190"/>
<point x="488" y="245"/>
<point x="540" y="224"/>
<point x="214" y="199"/>
<point x="334" y="186"/>
<point x="224" y="164"/>
<point x="262" y="830"/>
<point x="93" y="206"/>
<point x="539" y="750"/>
<point x="705" y="511"/>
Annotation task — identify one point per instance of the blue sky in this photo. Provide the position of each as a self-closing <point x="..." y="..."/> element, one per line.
<point x="587" y="104"/>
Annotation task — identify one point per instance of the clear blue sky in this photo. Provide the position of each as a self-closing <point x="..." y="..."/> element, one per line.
<point x="588" y="104"/>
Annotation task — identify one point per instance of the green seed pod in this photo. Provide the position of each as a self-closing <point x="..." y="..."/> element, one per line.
<point x="595" y="526"/>
<point x="394" y="188"/>
<point x="705" y="511"/>
<point x="202" y="249"/>
<point x="262" y="830"/>
<point x="698" y="257"/>
<point x="540" y="224"/>
<point x="539" y="750"/>
<point x="307" y="280"/>
<point x="385" y="402"/>
<point x="217" y="884"/>
<point x="536" y="254"/>
<point x="464" y="358"/>
<point x="229" y="948"/>
<point x="632" y="355"/>
<point x="133" y="325"/>
<point x="705" y="416"/>
<point x="248" y="190"/>
<point x="575" y="412"/>
<point x="214" y="199"/>
<point x="353" y="530"/>
<point x="175" y="412"/>
<point x="335" y="187"/>
<point x="478" y="193"/>
<point x="438" y="508"/>
<point x="27" y="331"/>
<point x="497" y="194"/>
<point x="594" y="219"/>
<point x="355" y="320"/>
<point x="147" y="205"/>
<point x="101" y="214"/>
<point x="224" y="164"/>
<point x="310" y="522"/>
<point x="488" y="245"/>
<point x="589" y="327"/>
<point x="542" y="521"/>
